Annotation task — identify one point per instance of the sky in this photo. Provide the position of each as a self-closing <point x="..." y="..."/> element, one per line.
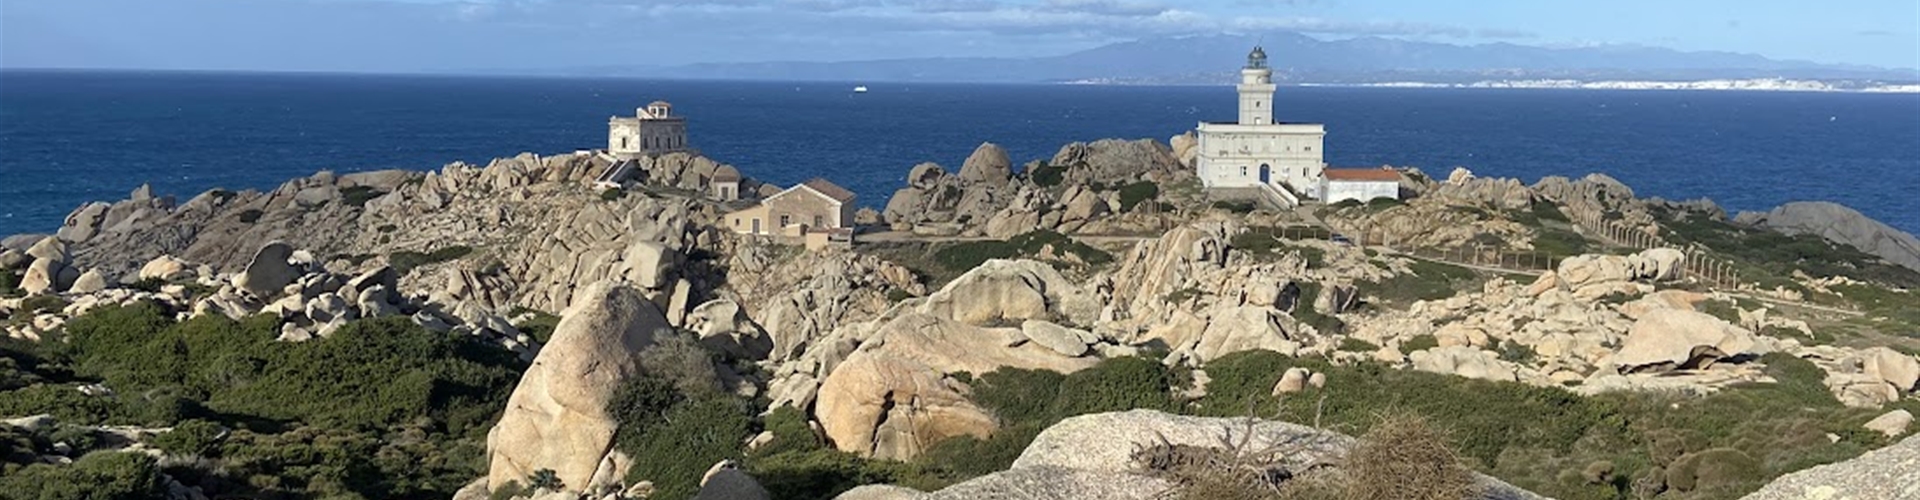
<point x="482" y="35"/>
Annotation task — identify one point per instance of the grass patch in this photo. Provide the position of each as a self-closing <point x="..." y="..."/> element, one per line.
<point x="1428" y="281"/>
<point x="406" y="261"/>
<point x="1350" y="344"/>
<point x="961" y="257"/>
<point x="358" y="196"/>
<point x="1265" y="243"/>
<point x="1046" y="175"/>
<point x="1132" y="195"/>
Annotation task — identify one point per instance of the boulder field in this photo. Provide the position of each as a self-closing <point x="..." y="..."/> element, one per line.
<point x="881" y="362"/>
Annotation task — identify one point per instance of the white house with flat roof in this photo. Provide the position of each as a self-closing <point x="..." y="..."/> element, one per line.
<point x="1257" y="151"/>
<point x="652" y="130"/>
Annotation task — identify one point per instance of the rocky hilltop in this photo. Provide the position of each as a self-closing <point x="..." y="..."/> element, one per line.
<point x="1092" y="325"/>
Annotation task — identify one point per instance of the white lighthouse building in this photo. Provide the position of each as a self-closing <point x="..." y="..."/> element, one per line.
<point x="1258" y="151"/>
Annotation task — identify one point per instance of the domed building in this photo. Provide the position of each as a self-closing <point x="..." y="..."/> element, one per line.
<point x="1257" y="153"/>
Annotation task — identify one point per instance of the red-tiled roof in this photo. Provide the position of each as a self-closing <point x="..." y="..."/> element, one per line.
<point x="830" y="189"/>
<point x="1363" y="174"/>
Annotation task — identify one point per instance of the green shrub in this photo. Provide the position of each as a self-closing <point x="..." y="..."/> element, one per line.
<point x="42" y="304"/>
<point x="9" y="283"/>
<point x="358" y="196"/>
<point x="1515" y="352"/>
<point x="1306" y="312"/>
<point x="1428" y="281"/>
<point x="1350" y="344"/>
<point x="966" y="255"/>
<point x="820" y="474"/>
<point x="251" y="215"/>
<point x="540" y="325"/>
<point x="1017" y="395"/>
<point x="1714" y="469"/>
<point x="406" y="261"/>
<point x="790" y="433"/>
<point x="677" y="450"/>
<point x="192" y="437"/>
<point x="1419" y="343"/>
<point x="1235" y="206"/>
<point x="1132" y="194"/>
<point x="898" y="295"/>
<point x="1045" y="175"/>
<point x="97" y="476"/>
<point x="612" y="194"/>
<point x="509" y="490"/>
<point x="1116" y="384"/>
<point x="545" y="479"/>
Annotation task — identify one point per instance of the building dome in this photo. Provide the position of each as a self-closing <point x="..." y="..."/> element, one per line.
<point x="726" y="173"/>
<point x="1257" y="59"/>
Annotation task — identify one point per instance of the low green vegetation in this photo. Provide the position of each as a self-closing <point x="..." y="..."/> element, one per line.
<point x="406" y="261"/>
<point x="1546" y="440"/>
<point x="251" y="215"/>
<point x="1046" y="175"/>
<point x="1768" y="257"/>
<point x="1305" y="311"/>
<point x="1418" y="343"/>
<point x="358" y="196"/>
<point x="1428" y="280"/>
<point x="380" y="409"/>
<point x="538" y="324"/>
<point x="961" y="257"/>
<point x="612" y="194"/>
<point x="1132" y="195"/>
<point x="9" y="283"/>
<point x="1266" y="243"/>
<point x="1235" y="206"/>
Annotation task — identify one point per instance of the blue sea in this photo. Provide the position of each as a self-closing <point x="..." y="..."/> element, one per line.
<point x="71" y="137"/>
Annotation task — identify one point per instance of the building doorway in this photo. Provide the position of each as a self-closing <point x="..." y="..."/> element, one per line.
<point x="1266" y="174"/>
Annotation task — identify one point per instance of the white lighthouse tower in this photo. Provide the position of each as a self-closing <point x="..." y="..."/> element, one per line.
<point x="1256" y="151"/>
<point x="1256" y="90"/>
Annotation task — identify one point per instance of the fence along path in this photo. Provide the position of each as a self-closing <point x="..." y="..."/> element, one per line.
<point x="1696" y="264"/>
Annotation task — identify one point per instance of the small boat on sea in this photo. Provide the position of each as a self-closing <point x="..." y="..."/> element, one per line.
<point x="862" y="89"/>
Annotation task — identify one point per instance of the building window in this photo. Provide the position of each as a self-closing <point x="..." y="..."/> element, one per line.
<point x="819" y="222"/>
<point x="785" y="220"/>
<point x="736" y="222"/>
<point x="1243" y="170"/>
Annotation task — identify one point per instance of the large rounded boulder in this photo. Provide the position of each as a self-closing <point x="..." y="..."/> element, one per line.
<point x="557" y="417"/>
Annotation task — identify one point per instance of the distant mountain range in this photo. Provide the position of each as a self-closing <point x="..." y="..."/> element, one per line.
<point x="1297" y="58"/>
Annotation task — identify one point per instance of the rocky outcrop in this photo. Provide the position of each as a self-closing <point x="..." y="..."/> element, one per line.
<point x="1094" y="457"/>
<point x="1841" y="225"/>
<point x="557" y="417"/>
<point x="1669" y="339"/>
<point x="987" y="165"/>
<point x="1883" y="474"/>
<point x="886" y="387"/>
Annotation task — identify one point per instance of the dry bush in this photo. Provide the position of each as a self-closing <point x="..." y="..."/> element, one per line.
<point x="1404" y="458"/>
